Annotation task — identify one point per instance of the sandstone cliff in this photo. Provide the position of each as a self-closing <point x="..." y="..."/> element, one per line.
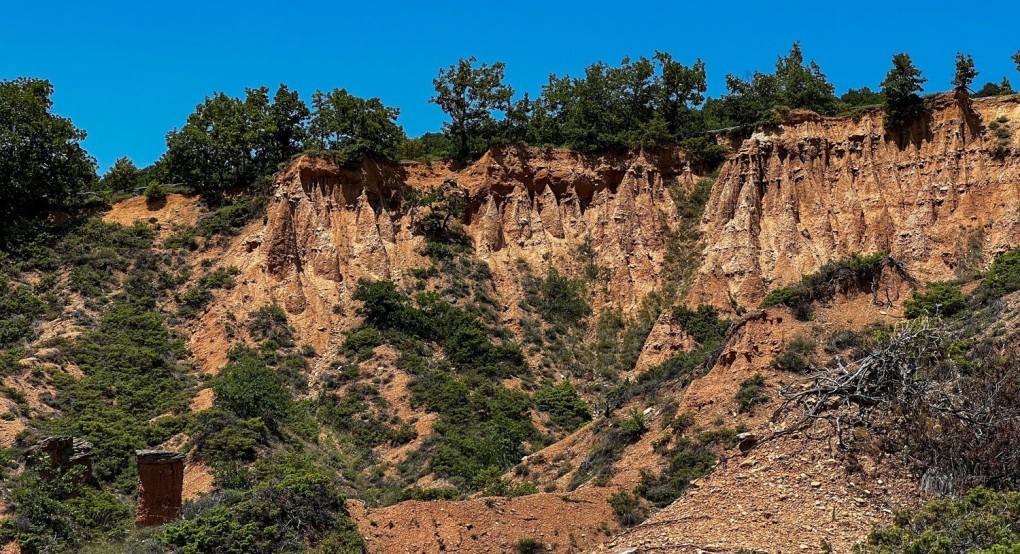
<point x="937" y="198"/>
<point x="326" y="227"/>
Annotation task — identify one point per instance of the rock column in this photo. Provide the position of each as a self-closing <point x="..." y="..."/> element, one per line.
<point x="62" y="455"/>
<point x="160" y="486"/>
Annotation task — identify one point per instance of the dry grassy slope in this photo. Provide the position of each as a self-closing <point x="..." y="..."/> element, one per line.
<point x="822" y="188"/>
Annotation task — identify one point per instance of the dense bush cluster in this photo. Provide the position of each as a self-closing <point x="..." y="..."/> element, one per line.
<point x="980" y="521"/>
<point x="482" y="424"/>
<point x="857" y="270"/>
<point x="293" y="506"/>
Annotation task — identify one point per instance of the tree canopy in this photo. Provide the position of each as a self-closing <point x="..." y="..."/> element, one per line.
<point x="992" y="89"/>
<point x="470" y="95"/>
<point x="795" y="84"/>
<point x="42" y="162"/>
<point x="965" y="72"/>
<point x="354" y="128"/>
<point x="229" y="142"/>
<point x="900" y="88"/>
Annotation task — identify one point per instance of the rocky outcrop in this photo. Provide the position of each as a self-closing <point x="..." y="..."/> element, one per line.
<point x="939" y="198"/>
<point x="666" y="339"/>
<point x="62" y="454"/>
<point x="327" y="227"/>
<point x="160" y="486"/>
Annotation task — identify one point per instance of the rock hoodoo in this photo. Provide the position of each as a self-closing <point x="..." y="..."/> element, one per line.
<point x="160" y="486"/>
<point x="63" y="454"/>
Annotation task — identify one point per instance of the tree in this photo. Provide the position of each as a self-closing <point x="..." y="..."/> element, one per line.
<point x="858" y="97"/>
<point x="992" y="89"/>
<point x="680" y="91"/>
<point x="229" y="142"/>
<point x="469" y="95"/>
<point x="794" y="85"/>
<point x="803" y="85"/>
<point x="1016" y="59"/>
<point x="965" y="72"/>
<point x="900" y="88"/>
<point x="354" y="128"/>
<point x="123" y="176"/>
<point x="42" y="163"/>
<point x="288" y="115"/>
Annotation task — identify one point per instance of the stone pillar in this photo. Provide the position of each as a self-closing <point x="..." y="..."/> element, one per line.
<point x="63" y="454"/>
<point x="160" y="486"/>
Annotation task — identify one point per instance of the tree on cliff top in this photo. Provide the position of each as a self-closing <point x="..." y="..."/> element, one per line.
<point x="900" y="87"/>
<point x="469" y="95"/>
<point x="795" y="84"/>
<point x="354" y="128"/>
<point x="1016" y="58"/>
<point x="42" y="162"/>
<point x="965" y="72"/>
<point x="230" y="142"/>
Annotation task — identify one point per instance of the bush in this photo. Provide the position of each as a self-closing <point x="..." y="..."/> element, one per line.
<point x="627" y="508"/>
<point x="250" y="389"/>
<point x="687" y="461"/>
<point x="634" y="425"/>
<point x="61" y="514"/>
<point x="939" y="299"/>
<point x="360" y="343"/>
<point x="565" y="408"/>
<point x="703" y="324"/>
<point x="293" y="505"/>
<point x="1002" y="278"/>
<point x="980" y="521"/>
<point x="829" y="279"/>
<point x="752" y="392"/>
<point x="560" y="299"/>
<point x="269" y="324"/>
<point x="530" y="546"/>
<point x="795" y="356"/>
<point x="155" y="193"/>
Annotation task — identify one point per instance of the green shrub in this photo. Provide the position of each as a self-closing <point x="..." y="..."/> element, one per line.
<point x="360" y="343"/>
<point x="269" y="324"/>
<point x="823" y="284"/>
<point x="939" y="299"/>
<point x="703" y="324"/>
<point x="62" y="514"/>
<point x="564" y="406"/>
<point x="250" y="389"/>
<point x="155" y="193"/>
<point x="220" y="278"/>
<point x="1002" y="278"/>
<point x="293" y="505"/>
<point x="634" y="425"/>
<point x="530" y="546"/>
<point x="752" y="392"/>
<point x="795" y="356"/>
<point x="688" y="461"/>
<point x="193" y="300"/>
<point x="627" y="508"/>
<point x="980" y="521"/>
<point x="560" y="299"/>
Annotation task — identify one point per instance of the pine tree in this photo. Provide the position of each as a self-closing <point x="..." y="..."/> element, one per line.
<point x="965" y="72"/>
<point x="900" y="88"/>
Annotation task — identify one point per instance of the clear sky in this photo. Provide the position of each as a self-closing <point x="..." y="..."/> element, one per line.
<point x="129" y="72"/>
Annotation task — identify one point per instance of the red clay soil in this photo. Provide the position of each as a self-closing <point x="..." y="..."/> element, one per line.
<point x="563" y="523"/>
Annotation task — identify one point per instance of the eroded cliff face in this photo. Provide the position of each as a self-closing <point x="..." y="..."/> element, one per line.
<point x="938" y="198"/>
<point x="327" y="227"/>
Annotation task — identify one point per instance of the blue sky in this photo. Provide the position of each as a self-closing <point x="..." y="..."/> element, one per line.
<point x="129" y="72"/>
